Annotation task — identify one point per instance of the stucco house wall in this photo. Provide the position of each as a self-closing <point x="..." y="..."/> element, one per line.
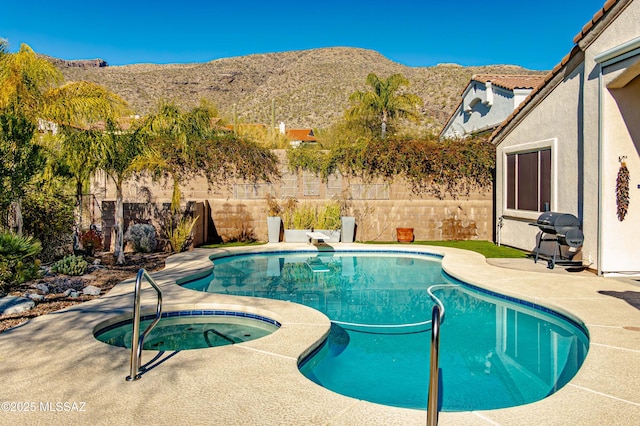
<point x="486" y="102"/>
<point x="590" y="111"/>
<point x="551" y="125"/>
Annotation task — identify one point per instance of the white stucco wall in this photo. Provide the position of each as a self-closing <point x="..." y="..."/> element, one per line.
<point x="482" y="115"/>
<point x="552" y="124"/>
<point x="620" y="240"/>
<point x="570" y="116"/>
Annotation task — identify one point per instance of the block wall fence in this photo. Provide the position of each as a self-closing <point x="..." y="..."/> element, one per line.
<point x="235" y="207"/>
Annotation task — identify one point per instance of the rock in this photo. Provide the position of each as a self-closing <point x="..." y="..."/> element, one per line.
<point x="67" y="292"/>
<point x="91" y="290"/>
<point x="15" y="305"/>
<point x="36" y="297"/>
<point x="43" y="288"/>
<point x="97" y="262"/>
<point x="74" y="294"/>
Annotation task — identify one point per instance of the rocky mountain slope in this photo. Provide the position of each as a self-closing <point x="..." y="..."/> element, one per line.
<point x="310" y="87"/>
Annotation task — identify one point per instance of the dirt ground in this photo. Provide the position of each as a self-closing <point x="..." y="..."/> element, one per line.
<point x="105" y="275"/>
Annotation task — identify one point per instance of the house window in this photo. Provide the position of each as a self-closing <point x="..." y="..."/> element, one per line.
<point x="529" y="181"/>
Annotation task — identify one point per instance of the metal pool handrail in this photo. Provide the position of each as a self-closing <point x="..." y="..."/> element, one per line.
<point x="137" y="339"/>
<point x="434" y="383"/>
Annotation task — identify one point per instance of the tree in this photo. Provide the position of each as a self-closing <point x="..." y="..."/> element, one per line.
<point x="21" y="159"/>
<point x="117" y="152"/>
<point x="384" y="102"/>
<point x="73" y="156"/>
<point x="32" y="87"/>
<point x="184" y="145"/>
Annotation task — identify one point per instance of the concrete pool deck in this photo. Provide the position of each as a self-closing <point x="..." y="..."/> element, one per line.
<point x="58" y="373"/>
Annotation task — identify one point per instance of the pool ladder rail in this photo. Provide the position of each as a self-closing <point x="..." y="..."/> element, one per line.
<point x="434" y="370"/>
<point x="137" y="339"/>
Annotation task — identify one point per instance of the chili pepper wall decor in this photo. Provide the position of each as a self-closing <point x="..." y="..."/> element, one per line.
<point x="622" y="191"/>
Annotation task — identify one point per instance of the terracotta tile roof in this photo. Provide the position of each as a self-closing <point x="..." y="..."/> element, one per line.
<point x="511" y="82"/>
<point x="560" y="66"/>
<point x="304" y="135"/>
<point x="596" y="17"/>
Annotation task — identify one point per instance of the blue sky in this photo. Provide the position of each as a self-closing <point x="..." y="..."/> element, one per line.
<point x="533" y="33"/>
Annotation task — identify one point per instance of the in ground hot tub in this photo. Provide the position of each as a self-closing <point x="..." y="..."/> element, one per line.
<point x="194" y="329"/>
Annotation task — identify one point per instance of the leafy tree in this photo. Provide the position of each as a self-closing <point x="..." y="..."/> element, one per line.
<point x="73" y="156"/>
<point x="48" y="217"/>
<point x="384" y="102"/>
<point x="116" y="154"/>
<point x="184" y="145"/>
<point x="31" y="87"/>
<point x="21" y="160"/>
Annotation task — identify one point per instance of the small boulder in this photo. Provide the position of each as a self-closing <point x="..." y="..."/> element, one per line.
<point x="44" y="289"/>
<point x="74" y="294"/>
<point x="67" y="292"/>
<point x="91" y="290"/>
<point x="35" y="297"/>
<point x="15" y="305"/>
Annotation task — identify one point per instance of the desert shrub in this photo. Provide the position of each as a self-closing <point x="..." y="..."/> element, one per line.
<point x="142" y="236"/>
<point x="91" y="240"/>
<point x="178" y="233"/>
<point x="18" y="261"/>
<point x="305" y="216"/>
<point x="328" y="217"/>
<point x="49" y="218"/>
<point x="70" y="265"/>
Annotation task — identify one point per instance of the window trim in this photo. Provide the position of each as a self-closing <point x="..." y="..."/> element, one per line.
<point x="523" y="149"/>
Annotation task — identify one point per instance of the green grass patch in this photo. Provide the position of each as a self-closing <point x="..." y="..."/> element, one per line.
<point x="485" y="248"/>
<point x="233" y="244"/>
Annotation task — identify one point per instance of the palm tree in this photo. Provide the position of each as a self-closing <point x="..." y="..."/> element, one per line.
<point x="117" y="154"/>
<point x="383" y="101"/>
<point x="32" y="87"/>
<point x="185" y="145"/>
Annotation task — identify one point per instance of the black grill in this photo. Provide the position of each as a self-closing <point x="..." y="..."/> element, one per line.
<point x="563" y="229"/>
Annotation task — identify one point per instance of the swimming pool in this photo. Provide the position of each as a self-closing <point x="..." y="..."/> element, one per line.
<point x="495" y="351"/>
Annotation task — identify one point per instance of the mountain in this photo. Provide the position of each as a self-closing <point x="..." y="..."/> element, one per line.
<point x="311" y="88"/>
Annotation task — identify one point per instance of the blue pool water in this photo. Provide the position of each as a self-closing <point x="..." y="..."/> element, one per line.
<point x="183" y="330"/>
<point x="495" y="351"/>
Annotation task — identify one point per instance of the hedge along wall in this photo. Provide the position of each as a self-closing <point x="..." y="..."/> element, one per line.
<point x="240" y="208"/>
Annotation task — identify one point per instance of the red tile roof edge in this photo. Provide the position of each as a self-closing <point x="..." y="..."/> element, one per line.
<point x="594" y="20"/>
<point x="574" y="50"/>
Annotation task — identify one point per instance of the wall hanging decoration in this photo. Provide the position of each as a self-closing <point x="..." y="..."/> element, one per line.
<point x="622" y="189"/>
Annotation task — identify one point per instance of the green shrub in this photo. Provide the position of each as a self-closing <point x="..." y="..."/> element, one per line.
<point x="18" y="261"/>
<point x="70" y="265"/>
<point x="49" y="218"/>
<point x="304" y="217"/>
<point x="328" y="217"/>
<point x="142" y="236"/>
<point x="179" y="236"/>
<point x="91" y="240"/>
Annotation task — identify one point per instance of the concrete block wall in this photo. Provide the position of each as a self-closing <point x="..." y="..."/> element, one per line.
<point x="240" y="207"/>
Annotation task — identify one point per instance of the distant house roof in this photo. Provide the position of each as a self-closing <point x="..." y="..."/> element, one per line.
<point x="302" y="135"/>
<point x="593" y="28"/>
<point x="508" y="82"/>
